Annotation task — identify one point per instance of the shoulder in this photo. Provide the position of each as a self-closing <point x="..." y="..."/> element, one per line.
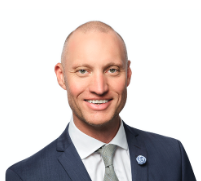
<point x="166" y="156"/>
<point x="149" y="135"/>
<point x="157" y="143"/>
<point x="43" y="165"/>
<point x="32" y="166"/>
<point x="162" y="152"/>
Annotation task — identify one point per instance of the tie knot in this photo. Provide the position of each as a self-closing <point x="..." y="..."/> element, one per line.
<point x="107" y="153"/>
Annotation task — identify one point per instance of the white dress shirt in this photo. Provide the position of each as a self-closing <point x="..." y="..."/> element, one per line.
<point x="86" y="147"/>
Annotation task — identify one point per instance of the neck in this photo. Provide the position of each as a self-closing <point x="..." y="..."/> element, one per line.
<point x="104" y="133"/>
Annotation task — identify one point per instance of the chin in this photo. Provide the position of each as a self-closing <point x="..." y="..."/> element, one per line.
<point x="99" y="120"/>
<point x="96" y="122"/>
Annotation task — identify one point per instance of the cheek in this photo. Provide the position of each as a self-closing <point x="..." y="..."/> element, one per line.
<point x="119" y="86"/>
<point x="120" y="89"/>
<point x="75" y="87"/>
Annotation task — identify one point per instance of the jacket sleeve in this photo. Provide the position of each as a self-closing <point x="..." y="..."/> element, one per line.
<point x="187" y="172"/>
<point x="12" y="176"/>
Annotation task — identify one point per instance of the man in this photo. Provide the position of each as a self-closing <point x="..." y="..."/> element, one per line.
<point x="97" y="145"/>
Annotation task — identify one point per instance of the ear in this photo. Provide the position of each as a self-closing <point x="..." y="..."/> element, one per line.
<point x="129" y="73"/>
<point x="58" y="69"/>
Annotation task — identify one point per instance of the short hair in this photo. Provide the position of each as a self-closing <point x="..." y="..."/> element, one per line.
<point x="92" y="26"/>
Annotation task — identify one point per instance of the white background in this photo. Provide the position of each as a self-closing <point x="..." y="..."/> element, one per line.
<point x="164" y="45"/>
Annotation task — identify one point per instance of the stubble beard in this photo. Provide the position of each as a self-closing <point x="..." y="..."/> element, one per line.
<point x="102" y="126"/>
<point x="78" y="113"/>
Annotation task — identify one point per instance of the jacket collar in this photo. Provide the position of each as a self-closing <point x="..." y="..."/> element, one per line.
<point x="73" y="165"/>
<point x="136" y="148"/>
<point x="69" y="159"/>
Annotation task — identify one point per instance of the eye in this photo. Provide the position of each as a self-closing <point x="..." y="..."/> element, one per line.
<point x="82" y="71"/>
<point x="112" y="70"/>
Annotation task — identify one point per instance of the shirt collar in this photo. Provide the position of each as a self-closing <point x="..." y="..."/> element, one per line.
<point x="86" y="145"/>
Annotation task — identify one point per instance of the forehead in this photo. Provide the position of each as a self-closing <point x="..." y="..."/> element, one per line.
<point x="94" y="45"/>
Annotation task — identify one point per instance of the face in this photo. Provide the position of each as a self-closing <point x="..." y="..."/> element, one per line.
<point x="96" y="76"/>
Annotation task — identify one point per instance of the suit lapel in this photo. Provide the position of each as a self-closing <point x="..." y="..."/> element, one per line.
<point x="139" y="172"/>
<point x="74" y="167"/>
<point x="70" y="160"/>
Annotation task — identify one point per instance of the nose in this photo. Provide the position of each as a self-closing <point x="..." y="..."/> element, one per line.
<point x="99" y="84"/>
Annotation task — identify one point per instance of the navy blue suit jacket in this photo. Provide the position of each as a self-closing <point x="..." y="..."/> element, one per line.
<point x="59" y="161"/>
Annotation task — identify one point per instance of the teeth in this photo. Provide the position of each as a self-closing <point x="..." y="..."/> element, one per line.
<point x="97" y="101"/>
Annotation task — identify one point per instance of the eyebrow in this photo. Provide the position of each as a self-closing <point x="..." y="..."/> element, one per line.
<point x="81" y="65"/>
<point x="114" y="64"/>
<point x="105" y="66"/>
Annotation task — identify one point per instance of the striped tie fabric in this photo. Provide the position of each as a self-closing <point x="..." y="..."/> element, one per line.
<point x="107" y="153"/>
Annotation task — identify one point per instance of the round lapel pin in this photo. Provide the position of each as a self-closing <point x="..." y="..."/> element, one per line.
<point x="141" y="160"/>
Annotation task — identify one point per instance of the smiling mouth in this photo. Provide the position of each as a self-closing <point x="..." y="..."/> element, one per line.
<point x="98" y="102"/>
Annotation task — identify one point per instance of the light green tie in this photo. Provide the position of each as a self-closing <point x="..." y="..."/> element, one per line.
<point x="107" y="153"/>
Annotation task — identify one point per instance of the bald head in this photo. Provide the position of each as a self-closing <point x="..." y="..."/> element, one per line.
<point x="92" y="26"/>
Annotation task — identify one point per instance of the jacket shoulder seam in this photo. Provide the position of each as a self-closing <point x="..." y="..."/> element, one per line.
<point x="15" y="173"/>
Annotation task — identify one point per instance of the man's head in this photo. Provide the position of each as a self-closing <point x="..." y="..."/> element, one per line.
<point x="92" y="26"/>
<point x="95" y="72"/>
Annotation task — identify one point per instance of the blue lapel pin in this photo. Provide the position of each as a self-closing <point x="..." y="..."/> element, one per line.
<point x="141" y="160"/>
